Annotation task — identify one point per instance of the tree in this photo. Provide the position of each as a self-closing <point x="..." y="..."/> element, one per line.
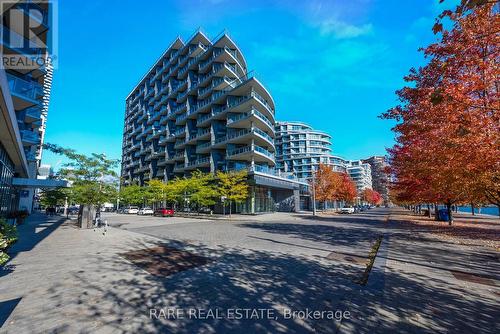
<point x="93" y="180"/>
<point x="154" y="192"/>
<point x="448" y="130"/>
<point x="203" y="190"/>
<point x="325" y="183"/>
<point x="233" y="186"/>
<point x="347" y="189"/>
<point x="372" y="197"/>
<point x="132" y="194"/>
<point x="53" y="197"/>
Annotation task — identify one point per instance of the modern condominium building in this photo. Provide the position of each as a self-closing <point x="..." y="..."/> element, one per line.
<point x="25" y="87"/>
<point x="361" y="173"/>
<point x="380" y="179"/>
<point x="198" y="108"/>
<point x="300" y="149"/>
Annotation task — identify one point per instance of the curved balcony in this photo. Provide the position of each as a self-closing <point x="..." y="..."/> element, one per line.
<point x="247" y="153"/>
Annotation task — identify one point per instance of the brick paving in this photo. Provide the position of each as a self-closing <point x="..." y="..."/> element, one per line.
<point x="66" y="280"/>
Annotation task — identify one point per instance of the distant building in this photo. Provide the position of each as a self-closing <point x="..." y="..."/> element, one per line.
<point x="45" y="172"/>
<point x="380" y="179"/>
<point x="361" y="173"/>
<point x="300" y="149"/>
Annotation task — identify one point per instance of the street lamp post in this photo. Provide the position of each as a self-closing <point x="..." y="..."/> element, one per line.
<point x="223" y="200"/>
<point x="314" y="192"/>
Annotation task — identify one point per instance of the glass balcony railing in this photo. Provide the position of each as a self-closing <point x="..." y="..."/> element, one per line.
<point x="30" y="137"/>
<point x="264" y="151"/>
<point x="239" y="151"/>
<point x="26" y="89"/>
<point x="263" y="134"/>
<point x="33" y="113"/>
<point x="204" y="145"/>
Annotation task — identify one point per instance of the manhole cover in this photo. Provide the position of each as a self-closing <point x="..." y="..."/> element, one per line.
<point x="473" y="278"/>
<point x="165" y="261"/>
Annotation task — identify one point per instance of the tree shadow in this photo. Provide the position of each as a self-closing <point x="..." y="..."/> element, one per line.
<point x="34" y="230"/>
<point x="118" y="296"/>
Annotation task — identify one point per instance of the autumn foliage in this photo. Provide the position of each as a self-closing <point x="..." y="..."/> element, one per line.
<point x="333" y="186"/>
<point x="372" y="197"/>
<point x="448" y="126"/>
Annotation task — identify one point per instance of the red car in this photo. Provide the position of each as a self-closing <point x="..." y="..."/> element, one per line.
<point x="164" y="212"/>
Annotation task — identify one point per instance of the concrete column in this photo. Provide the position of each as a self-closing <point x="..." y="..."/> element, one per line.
<point x="252" y="199"/>
<point x="296" y="199"/>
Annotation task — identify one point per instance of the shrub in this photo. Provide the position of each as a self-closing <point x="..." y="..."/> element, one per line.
<point x="8" y="236"/>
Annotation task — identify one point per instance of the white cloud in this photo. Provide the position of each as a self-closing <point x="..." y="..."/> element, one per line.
<point x="343" y="30"/>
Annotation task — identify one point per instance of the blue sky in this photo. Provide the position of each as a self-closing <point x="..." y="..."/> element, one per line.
<point x="333" y="64"/>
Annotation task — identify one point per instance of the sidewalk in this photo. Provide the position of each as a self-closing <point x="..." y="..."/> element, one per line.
<point x="430" y="284"/>
<point x="60" y="294"/>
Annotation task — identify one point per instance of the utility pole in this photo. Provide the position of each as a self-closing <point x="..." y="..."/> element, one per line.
<point x="314" y="192"/>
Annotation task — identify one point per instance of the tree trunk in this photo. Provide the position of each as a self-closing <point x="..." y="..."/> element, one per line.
<point x="472" y="209"/>
<point x="428" y="210"/>
<point x="436" y="214"/>
<point x="230" y="209"/>
<point x="450" y="212"/>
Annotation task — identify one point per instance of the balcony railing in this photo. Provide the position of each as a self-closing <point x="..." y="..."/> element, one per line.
<point x="199" y="161"/>
<point x="30" y="137"/>
<point x="239" y="150"/>
<point x="27" y="89"/>
<point x="263" y="134"/>
<point x="264" y="151"/>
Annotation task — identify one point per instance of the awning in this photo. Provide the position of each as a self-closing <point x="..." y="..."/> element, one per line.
<point x="38" y="183"/>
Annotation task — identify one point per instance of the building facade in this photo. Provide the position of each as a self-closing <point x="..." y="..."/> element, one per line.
<point x="25" y="90"/>
<point x="198" y="108"/>
<point x="380" y="179"/>
<point x="361" y="173"/>
<point x="300" y="149"/>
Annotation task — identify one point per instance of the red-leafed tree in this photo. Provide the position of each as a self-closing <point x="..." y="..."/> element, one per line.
<point x="346" y="191"/>
<point x="325" y="183"/>
<point x="372" y="197"/>
<point x="333" y="186"/>
<point x="448" y="131"/>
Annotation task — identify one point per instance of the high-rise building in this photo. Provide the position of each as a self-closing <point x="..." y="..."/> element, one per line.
<point x="360" y="172"/>
<point x="300" y="149"/>
<point x="198" y="108"/>
<point x="45" y="171"/>
<point x="25" y="89"/>
<point x="380" y="179"/>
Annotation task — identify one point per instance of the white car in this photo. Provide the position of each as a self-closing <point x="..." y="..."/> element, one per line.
<point x="145" y="211"/>
<point x="133" y="210"/>
<point x="347" y="209"/>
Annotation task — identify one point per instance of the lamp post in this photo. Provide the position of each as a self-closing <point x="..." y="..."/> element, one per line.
<point x="314" y="192"/>
<point x="223" y="200"/>
<point x="186" y="199"/>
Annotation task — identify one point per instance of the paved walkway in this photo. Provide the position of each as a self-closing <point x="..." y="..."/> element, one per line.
<point x="66" y="280"/>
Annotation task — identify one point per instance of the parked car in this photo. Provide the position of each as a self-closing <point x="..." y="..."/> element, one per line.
<point x="163" y="212"/>
<point x="132" y="210"/>
<point x="347" y="209"/>
<point x="145" y="211"/>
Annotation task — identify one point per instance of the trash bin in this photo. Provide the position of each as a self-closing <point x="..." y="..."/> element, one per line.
<point x="443" y="215"/>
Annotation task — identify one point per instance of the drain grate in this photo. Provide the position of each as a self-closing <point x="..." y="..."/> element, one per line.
<point x="473" y="278"/>
<point x="165" y="261"/>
